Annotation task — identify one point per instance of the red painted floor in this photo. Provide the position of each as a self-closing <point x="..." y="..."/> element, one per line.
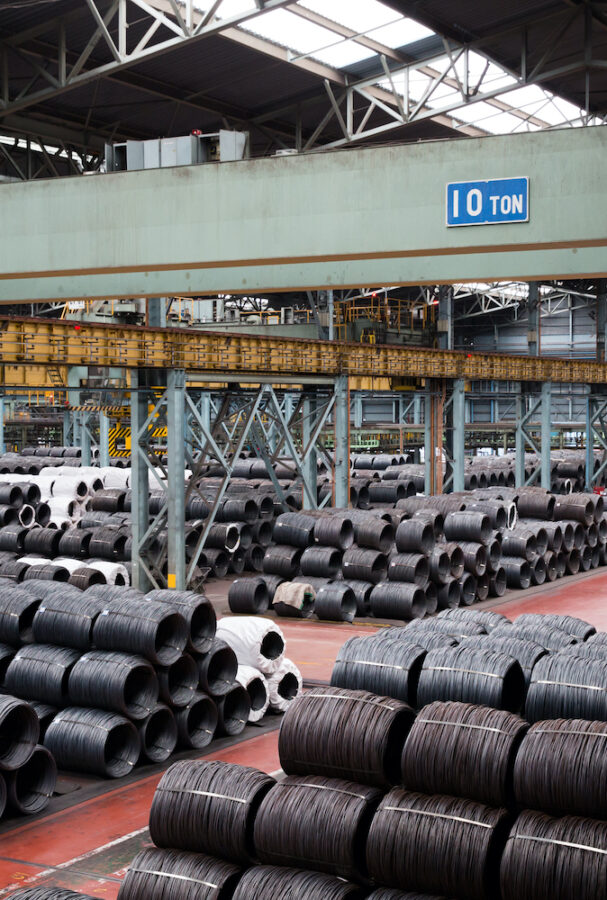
<point x="88" y="846"/>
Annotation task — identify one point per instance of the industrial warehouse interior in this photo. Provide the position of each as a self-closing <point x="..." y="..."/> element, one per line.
<point x="303" y="450"/>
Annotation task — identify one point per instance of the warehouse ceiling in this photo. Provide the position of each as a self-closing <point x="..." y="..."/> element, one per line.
<point x="301" y="75"/>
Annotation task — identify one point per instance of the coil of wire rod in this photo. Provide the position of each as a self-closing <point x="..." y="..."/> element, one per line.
<point x="284" y="685"/>
<point x="284" y="883"/>
<point x="11" y="495"/>
<point x="467" y="584"/>
<point x="236" y="561"/>
<point x="93" y="741"/>
<point x="208" y="807"/>
<point x="48" y="572"/>
<point x="398" y="600"/>
<point x="253" y="558"/>
<point x="8" y="514"/>
<point x="160" y="874"/>
<point x="223" y="536"/>
<point x="17" y="610"/>
<point x="294" y="599"/>
<point x="66" y="620"/>
<point x="439" y="565"/>
<point x="364" y="565"/>
<point x="158" y="734"/>
<point x="257" y="642"/>
<point x="238" y="509"/>
<point x="233" y="710"/>
<point x="27" y="515"/>
<point x="463" y="750"/>
<point x="12" y="537"/>
<point x="553" y="639"/>
<point x="108" y="500"/>
<point x="456" y="557"/>
<point x="117" y="682"/>
<point x="387" y="666"/>
<point x="115" y="592"/>
<point x="526" y="652"/>
<point x="322" y="822"/>
<point x="546" y="858"/>
<point x="30" y="787"/>
<point x="362" y="594"/>
<point x="107" y="543"/>
<point x="372" y="533"/>
<point x="335" y="602"/>
<point x="217" y="668"/>
<point x="84" y="578"/>
<point x="578" y="507"/>
<point x="295" y="529"/>
<point x="468" y="675"/>
<point x="41" y="672"/>
<point x="394" y="894"/>
<point x="371" y="731"/>
<point x="256" y="686"/>
<point x="449" y="595"/>
<point x="534" y="504"/>
<point x="6" y="654"/>
<point x="521" y="543"/>
<point x="489" y="619"/>
<point x="567" y="686"/>
<point x="155" y="630"/>
<point x="245" y="534"/>
<point x="42" y="541"/>
<point x="431" y="594"/>
<point x="14" y="570"/>
<point x="475" y="558"/>
<point x="196" y="610"/>
<point x="334" y="531"/>
<point x="20" y="732"/>
<point x="432" y="517"/>
<point x="177" y="683"/>
<point x="411" y="567"/>
<point x="262" y="533"/>
<point x="569" y="624"/>
<point x="321" y="562"/>
<point x="46" y="713"/>
<point x="197" y="722"/>
<point x="410" y="831"/>
<point x="415" y="536"/>
<point x="467" y="526"/>
<point x="248" y="595"/>
<point x="283" y="560"/>
<point x="458" y="627"/>
<point x="49" y="893"/>
<point x="518" y="572"/>
<point x="499" y="513"/>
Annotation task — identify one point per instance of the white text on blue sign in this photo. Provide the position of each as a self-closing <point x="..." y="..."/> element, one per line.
<point x="494" y="202"/>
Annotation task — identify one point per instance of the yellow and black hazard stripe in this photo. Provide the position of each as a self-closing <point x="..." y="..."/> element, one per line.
<point x="119" y="432"/>
<point x="120" y="411"/>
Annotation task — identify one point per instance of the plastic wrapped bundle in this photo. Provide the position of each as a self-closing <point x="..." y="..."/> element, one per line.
<point x="256" y="642"/>
<point x="257" y="688"/>
<point x="284" y="685"/>
<point x="294" y="600"/>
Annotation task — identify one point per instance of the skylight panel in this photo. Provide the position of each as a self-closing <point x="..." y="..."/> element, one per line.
<point x="359" y="15"/>
<point x="400" y="33"/>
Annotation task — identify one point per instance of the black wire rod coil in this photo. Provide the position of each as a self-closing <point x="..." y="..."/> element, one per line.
<point x="197" y="722"/>
<point x="547" y="858"/>
<point x="49" y="893"/>
<point x="321" y="562"/>
<point x="295" y="529"/>
<point x="365" y="565"/>
<point x="118" y="682"/>
<point x="437" y="845"/>
<point x="12" y="537"/>
<point x="30" y="787"/>
<point x="283" y="883"/>
<point x="334" y="531"/>
<point x="162" y="874"/>
<point x="373" y="533"/>
<point x="177" y="683"/>
<point x="521" y="543"/>
<point x="468" y="675"/>
<point x="347" y="734"/>
<point x="398" y="600"/>
<point x="75" y="543"/>
<point x="19" y="732"/>
<point x="217" y="668"/>
<point x="394" y="894"/>
<point x="283" y="560"/>
<point x="518" y="572"/>
<point x="316" y="822"/>
<point x="233" y="709"/>
<point x="249" y="596"/>
<point x="387" y="666"/>
<point x="158" y="734"/>
<point x="209" y="807"/>
<point x="41" y="672"/>
<point x="155" y="630"/>
<point x="48" y="572"/>
<point x="17" y="610"/>
<point x="335" y="602"/>
<point x="458" y="628"/>
<point x="439" y="565"/>
<point x="463" y="750"/>
<point x="565" y="687"/>
<point x="485" y="617"/>
<point x="569" y="624"/>
<point x="526" y="653"/>
<point x="468" y="526"/>
<point x="540" y="633"/>
<point x="67" y="620"/>
<point x="536" y="504"/>
<point x="449" y="595"/>
<point x="561" y="768"/>
<point x="93" y="741"/>
<point x="196" y="610"/>
<point x="85" y="577"/>
<point x="362" y="594"/>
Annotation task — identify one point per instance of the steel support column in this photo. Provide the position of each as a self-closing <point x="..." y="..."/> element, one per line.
<point x="533" y="326"/>
<point x="601" y="319"/>
<point x="459" y="433"/>
<point x="140" y="514"/>
<point x="176" y="576"/>
<point x="429" y="442"/>
<point x="68" y="429"/>
<point x="104" y="439"/>
<point x="85" y="437"/>
<point x="342" y="441"/>
<point x="310" y="463"/>
<point x="2" y="442"/>
<point x="596" y="436"/>
<point x="546" y="434"/>
<point x="445" y="318"/>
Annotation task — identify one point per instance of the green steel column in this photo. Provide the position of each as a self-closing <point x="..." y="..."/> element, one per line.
<point x="519" y="441"/>
<point x="104" y="439"/>
<point x="459" y="433"/>
<point x="140" y="512"/>
<point x="601" y="319"/>
<point x="85" y="437"/>
<point x="546" y="426"/>
<point x="590" y="402"/>
<point x="176" y="483"/>
<point x="76" y="429"/>
<point x="310" y="465"/>
<point x="342" y="442"/>
<point x="2" y="443"/>
<point x="157" y="312"/>
<point x="445" y="318"/>
<point x="533" y="325"/>
<point x="358" y="409"/>
<point x="68" y="431"/>
<point x="330" y="314"/>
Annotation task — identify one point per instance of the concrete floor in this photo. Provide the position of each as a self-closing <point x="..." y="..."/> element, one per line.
<point x="88" y="836"/>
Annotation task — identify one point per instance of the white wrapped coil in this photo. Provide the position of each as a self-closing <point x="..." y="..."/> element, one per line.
<point x="256" y="686"/>
<point x="256" y="641"/>
<point x="284" y="685"/>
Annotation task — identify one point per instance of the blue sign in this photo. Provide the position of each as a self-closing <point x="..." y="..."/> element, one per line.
<point x="488" y="202"/>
